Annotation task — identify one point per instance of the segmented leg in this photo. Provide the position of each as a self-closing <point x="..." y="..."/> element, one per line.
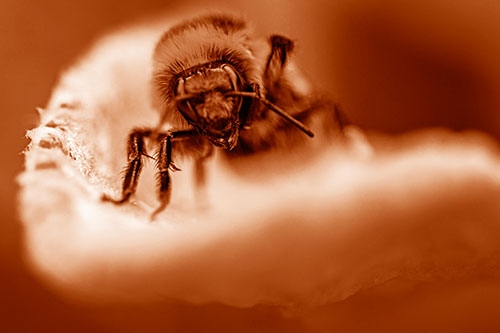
<point x="135" y="151"/>
<point x="164" y="164"/>
<point x="199" y="167"/>
<point x="280" y="47"/>
<point x="277" y="85"/>
<point x="332" y="115"/>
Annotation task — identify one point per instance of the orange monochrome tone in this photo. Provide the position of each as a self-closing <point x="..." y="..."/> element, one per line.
<point x="318" y="166"/>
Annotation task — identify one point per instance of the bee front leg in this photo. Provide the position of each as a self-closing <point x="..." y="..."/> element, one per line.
<point x="200" y="176"/>
<point x="135" y="151"/>
<point x="199" y="167"/>
<point x="164" y="165"/>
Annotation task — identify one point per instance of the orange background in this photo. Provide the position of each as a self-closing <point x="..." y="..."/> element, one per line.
<point x="391" y="66"/>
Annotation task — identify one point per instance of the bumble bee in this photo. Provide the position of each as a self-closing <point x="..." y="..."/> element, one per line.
<point x="216" y="87"/>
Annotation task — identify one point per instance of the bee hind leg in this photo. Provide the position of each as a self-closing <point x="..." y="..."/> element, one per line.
<point x="280" y="48"/>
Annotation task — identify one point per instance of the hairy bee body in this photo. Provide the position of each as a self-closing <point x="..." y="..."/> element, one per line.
<point x="216" y="86"/>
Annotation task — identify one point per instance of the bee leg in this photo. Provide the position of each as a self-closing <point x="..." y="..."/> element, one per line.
<point x="199" y="167"/>
<point x="163" y="165"/>
<point x="200" y="175"/>
<point x="280" y="47"/>
<point x="327" y="113"/>
<point x="135" y="151"/>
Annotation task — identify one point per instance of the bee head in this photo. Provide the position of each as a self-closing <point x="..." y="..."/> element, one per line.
<point x="203" y="98"/>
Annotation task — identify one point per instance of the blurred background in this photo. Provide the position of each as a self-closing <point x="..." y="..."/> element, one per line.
<point x="392" y="66"/>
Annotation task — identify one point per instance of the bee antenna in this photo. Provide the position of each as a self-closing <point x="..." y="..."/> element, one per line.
<point x="273" y="107"/>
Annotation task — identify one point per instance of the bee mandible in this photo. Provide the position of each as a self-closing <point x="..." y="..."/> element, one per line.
<point x="215" y="86"/>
